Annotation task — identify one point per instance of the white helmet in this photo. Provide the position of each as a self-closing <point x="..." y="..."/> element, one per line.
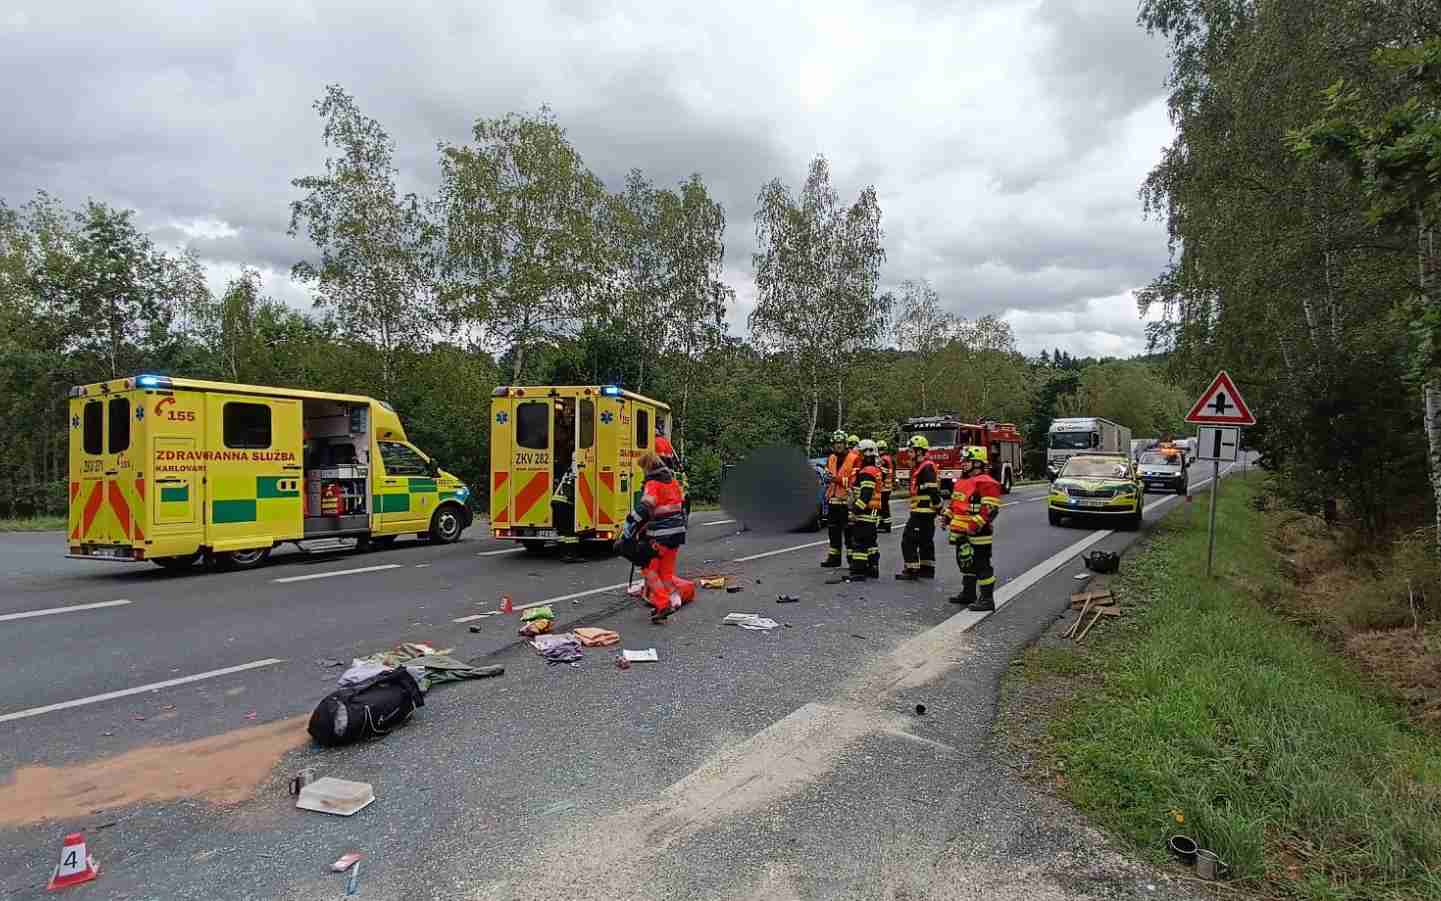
<point x="867" y="448"/>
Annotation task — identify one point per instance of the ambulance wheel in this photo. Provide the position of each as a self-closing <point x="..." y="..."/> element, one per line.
<point x="246" y="559"/>
<point x="179" y="563"/>
<point x="445" y="525"/>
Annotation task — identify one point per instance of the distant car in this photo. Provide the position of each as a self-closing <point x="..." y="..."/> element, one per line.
<point x="1097" y="485"/>
<point x="1164" y="469"/>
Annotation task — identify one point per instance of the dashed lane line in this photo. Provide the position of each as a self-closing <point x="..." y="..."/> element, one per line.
<point x="139" y="689"/>
<point x="338" y="572"/>
<point x="71" y="609"/>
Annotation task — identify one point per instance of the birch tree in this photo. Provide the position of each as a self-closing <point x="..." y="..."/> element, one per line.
<point x="376" y="270"/>
<point x="924" y="328"/>
<point x="817" y="271"/>
<point x="524" y="257"/>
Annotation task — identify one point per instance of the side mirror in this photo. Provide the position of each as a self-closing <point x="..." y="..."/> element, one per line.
<point x="433" y="467"/>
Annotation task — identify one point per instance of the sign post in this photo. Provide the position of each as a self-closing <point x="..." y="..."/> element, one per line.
<point x="1222" y="413"/>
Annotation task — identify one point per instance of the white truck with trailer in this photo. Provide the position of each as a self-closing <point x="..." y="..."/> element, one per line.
<point x="1083" y="435"/>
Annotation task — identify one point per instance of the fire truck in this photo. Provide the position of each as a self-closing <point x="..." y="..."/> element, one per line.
<point x="947" y="434"/>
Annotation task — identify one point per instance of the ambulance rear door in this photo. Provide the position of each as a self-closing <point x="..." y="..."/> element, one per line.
<point x="521" y="498"/>
<point x="103" y="489"/>
<point x="613" y="463"/>
<point x="587" y="512"/>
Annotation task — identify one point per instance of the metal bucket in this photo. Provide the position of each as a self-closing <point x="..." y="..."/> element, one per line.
<point x="1208" y="865"/>
<point x="1184" y="847"/>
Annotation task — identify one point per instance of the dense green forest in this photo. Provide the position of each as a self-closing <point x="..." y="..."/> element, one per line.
<point x="525" y="268"/>
<point x="1300" y="193"/>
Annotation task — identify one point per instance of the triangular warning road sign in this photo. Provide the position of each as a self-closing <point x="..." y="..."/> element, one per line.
<point x="1221" y="405"/>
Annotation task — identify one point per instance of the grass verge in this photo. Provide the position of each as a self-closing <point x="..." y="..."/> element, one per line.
<point x="1204" y="712"/>
<point x="34" y="524"/>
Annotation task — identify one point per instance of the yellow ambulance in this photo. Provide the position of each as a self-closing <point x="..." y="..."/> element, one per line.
<point x="172" y="469"/>
<point x="540" y="434"/>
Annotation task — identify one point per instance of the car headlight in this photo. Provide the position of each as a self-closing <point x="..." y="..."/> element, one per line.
<point x="463" y="494"/>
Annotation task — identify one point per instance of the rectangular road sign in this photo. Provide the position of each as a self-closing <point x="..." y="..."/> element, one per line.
<point x="1218" y="443"/>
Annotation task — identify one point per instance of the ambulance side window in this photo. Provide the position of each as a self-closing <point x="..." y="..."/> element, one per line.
<point x="532" y="425"/>
<point x="587" y="424"/>
<point x="119" y="425"/>
<point x="642" y="429"/>
<point x="402" y="459"/>
<point x="247" y="425"/>
<point x="94" y="429"/>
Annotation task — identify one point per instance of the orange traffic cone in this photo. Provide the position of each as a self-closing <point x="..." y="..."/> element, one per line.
<point x="76" y="866"/>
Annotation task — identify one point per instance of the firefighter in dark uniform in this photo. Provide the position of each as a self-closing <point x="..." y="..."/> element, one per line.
<point x="975" y="503"/>
<point x="865" y="515"/>
<point x="918" y="541"/>
<point x="837" y="513"/>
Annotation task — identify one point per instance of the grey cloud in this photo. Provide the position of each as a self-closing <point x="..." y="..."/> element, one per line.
<point x="204" y="113"/>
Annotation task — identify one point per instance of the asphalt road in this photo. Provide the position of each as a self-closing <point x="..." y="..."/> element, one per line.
<point x="733" y="756"/>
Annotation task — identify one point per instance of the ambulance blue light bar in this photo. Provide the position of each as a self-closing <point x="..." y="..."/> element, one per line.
<point x="153" y="381"/>
<point x="610" y="391"/>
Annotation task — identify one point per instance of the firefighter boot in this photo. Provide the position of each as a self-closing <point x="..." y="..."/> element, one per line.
<point x="986" y="600"/>
<point x="968" y="592"/>
<point x="832" y="560"/>
<point x="909" y="574"/>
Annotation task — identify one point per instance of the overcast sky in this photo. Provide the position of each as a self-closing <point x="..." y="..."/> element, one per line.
<point x="1006" y="139"/>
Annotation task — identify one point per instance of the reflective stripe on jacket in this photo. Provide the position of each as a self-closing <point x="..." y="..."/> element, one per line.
<point x="867" y="502"/>
<point x="661" y="509"/>
<point x="925" y="488"/>
<point x="975" y="503"/>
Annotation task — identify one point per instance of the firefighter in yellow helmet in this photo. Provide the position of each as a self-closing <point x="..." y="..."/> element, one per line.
<point x="918" y="540"/>
<point x="838" y="468"/>
<point x="975" y="503"/>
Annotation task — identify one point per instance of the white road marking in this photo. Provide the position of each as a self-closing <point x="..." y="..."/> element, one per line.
<point x="579" y="594"/>
<point x="509" y="550"/>
<point x="139" y="689"/>
<point x="1054" y="562"/>
<point x="784" y="550"/>
<point x="71" y="609"/>
<point x="471" y="619"/>
<point x="338" y="572"/>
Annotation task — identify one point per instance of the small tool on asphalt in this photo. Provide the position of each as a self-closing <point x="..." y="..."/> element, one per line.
<point x="352" y="885"/>
<point x="76" y="865"/>
<point x="734" y="589"/>
<point x="346" y="861"/>
<point x="505" y="604"/>
<point x="787" y="599"/>
<point x="647" y="656"/>
<point x="475" y="630"/>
